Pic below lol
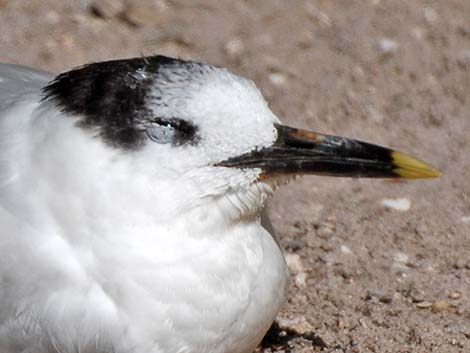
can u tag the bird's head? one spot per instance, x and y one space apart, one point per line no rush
205 130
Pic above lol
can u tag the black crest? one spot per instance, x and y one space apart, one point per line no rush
111 97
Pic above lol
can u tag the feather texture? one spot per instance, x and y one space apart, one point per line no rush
149 251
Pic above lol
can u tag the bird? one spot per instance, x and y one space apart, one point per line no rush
133 200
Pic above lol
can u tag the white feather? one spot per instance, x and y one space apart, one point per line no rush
154 251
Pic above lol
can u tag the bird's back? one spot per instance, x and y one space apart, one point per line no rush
17 81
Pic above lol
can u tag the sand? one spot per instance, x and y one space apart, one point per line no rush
377 266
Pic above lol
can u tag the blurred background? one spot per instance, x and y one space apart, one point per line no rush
377 266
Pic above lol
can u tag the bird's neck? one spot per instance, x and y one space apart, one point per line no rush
106 203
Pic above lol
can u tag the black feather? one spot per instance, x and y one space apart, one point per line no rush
111 98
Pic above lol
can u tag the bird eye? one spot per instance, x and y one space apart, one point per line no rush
161 131
172 130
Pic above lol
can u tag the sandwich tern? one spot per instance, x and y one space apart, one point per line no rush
132 206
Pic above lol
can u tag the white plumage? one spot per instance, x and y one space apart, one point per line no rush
134 251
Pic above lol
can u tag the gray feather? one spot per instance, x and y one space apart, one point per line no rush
18 80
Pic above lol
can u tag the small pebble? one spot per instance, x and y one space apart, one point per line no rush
467 265
464 62
387 46
371 295
277 79
234 47
459 263
345 250
465 219
440 305
418 33
401 258
107 9
455 295
344 272
423 305
335 298
326 229
298 323
296 244
422 229
417 296
305 39
294 263
142 13
386 300
402 204
301 280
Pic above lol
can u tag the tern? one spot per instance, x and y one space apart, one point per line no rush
132 206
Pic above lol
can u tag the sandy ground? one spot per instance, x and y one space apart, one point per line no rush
365 277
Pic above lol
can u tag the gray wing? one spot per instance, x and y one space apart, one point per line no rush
16 81
266 223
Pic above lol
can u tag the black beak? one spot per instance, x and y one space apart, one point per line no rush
303 152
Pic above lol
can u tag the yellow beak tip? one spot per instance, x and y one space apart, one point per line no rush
412 168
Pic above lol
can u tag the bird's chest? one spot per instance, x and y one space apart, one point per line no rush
168 291
199 294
